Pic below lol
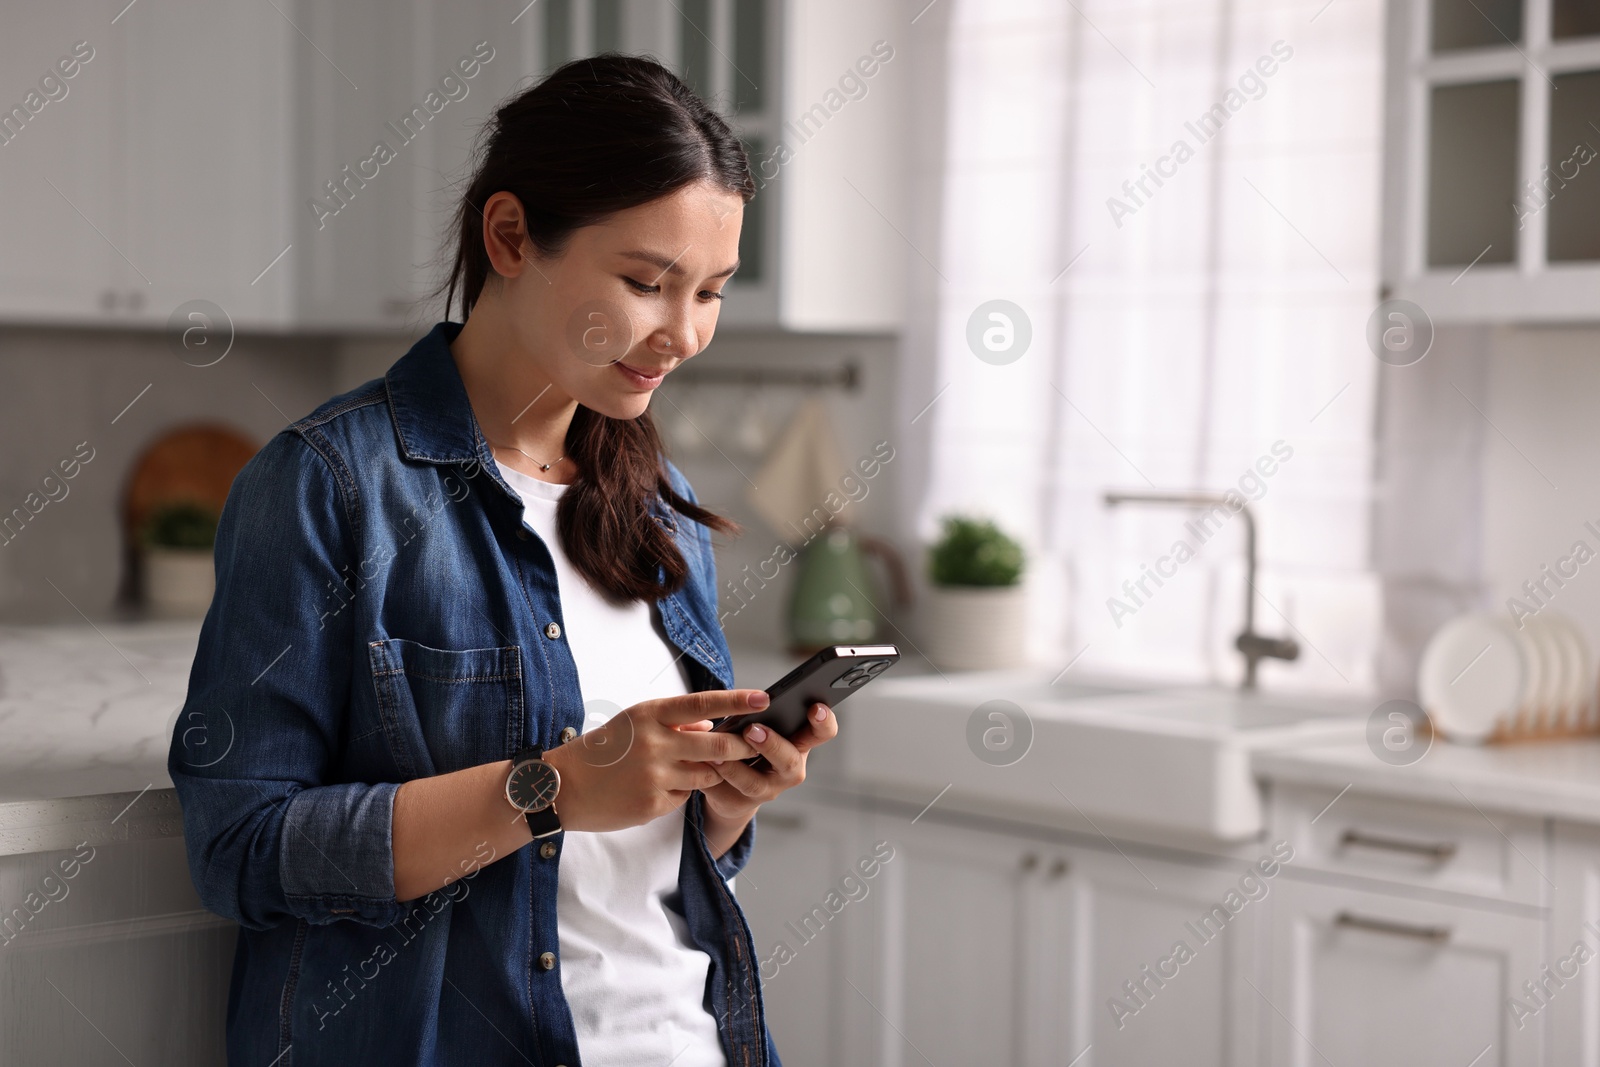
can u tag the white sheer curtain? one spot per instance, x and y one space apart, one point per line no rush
1179 334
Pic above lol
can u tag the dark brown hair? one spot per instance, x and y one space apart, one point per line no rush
598 136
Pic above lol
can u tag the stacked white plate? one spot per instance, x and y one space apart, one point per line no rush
1484 677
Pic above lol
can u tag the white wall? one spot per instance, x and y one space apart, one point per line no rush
1542 464
1487 471
62 387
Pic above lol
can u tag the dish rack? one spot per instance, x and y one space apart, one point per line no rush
1486 678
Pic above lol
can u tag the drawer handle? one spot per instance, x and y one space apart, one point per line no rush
1436 935
1438 852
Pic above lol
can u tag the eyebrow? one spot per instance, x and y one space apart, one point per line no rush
668 265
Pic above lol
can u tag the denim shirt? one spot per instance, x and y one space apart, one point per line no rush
382 613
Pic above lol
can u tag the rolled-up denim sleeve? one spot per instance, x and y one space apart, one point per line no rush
733 861
271 834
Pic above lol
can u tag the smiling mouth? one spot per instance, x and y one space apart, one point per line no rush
660 372
639 377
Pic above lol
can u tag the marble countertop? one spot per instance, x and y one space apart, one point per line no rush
1548 779
88 709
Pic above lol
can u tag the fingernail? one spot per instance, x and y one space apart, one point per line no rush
716 763
758 733
819 713
758 699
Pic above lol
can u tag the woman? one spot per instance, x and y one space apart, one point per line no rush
446 754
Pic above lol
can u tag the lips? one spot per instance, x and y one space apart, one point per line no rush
642 379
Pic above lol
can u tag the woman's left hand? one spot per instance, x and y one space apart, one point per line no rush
744 789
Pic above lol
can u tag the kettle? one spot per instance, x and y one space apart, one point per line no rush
833 600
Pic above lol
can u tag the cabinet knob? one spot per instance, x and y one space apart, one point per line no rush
1030 861
1059 868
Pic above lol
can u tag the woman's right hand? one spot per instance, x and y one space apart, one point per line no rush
643 764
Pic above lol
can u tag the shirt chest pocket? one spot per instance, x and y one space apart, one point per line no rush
445 709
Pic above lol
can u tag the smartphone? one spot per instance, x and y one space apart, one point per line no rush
826 678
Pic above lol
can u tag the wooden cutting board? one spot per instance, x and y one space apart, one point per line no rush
196 462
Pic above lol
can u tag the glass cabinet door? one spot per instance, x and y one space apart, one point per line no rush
720 48
1472 173
1568 191
1575 18
1459 24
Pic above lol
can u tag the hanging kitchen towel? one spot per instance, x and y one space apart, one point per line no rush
800 478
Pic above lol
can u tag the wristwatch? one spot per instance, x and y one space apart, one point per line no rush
531 787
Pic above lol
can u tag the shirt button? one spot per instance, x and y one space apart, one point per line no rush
547 960
548 850
522 533
568 734
552 630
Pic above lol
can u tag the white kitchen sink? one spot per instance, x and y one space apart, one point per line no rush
1174 760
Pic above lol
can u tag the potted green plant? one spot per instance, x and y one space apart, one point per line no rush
177 539
976 613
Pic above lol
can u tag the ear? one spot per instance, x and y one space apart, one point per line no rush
505 235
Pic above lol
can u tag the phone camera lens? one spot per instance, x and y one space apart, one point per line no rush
851 678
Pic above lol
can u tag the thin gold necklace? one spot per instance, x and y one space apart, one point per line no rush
542 466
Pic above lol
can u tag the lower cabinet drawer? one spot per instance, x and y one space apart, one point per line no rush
1458 849
1367 978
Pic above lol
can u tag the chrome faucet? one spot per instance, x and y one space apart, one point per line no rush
1255 647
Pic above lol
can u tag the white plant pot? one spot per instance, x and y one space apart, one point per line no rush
178 582
975 627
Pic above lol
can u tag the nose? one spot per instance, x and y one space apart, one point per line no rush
676 337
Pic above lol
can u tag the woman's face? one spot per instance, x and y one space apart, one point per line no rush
627 301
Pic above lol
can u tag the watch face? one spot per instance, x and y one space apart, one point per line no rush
532 785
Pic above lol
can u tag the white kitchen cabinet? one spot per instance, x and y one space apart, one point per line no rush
159 177
224 151
803 853
441 165
1492 206
1126 913
1449 848
829 168
959 976
1565 999
204 120
59 217
106 955
1384 980
819 248
353 263
998 946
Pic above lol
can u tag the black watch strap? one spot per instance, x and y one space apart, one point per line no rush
544 823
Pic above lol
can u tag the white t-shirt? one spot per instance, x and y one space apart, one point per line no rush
633 980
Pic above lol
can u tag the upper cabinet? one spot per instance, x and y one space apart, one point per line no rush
128 188
1493 177
812 89
298 164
